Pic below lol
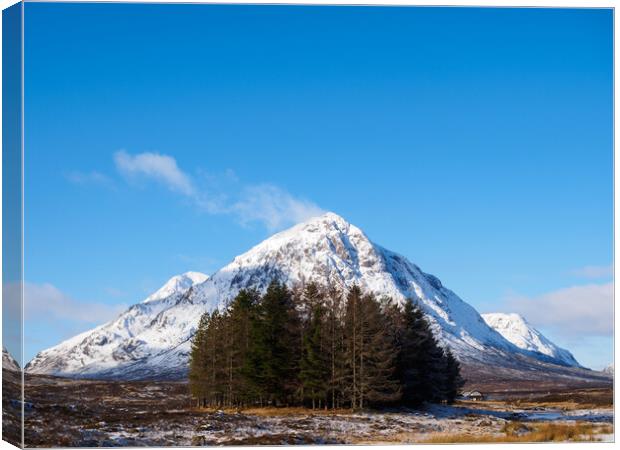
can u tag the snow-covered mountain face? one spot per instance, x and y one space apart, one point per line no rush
517 330
8 362
152 339
177 285
145 330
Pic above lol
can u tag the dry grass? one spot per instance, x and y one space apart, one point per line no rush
566 401
520 432
582 398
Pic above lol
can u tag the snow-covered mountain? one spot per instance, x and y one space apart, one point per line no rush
518 331
8 362
609 369
177 285
147 329
152 339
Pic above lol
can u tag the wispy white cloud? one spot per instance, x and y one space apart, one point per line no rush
585 310
273 206
92 177
593 272
161 168
267 204
47 301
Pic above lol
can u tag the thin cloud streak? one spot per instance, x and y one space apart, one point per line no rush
161 168
273 206
584 310
45 301
92 177
266 203
593 272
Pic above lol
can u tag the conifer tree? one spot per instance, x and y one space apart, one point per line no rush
272 366
216 360
335 347
314 367
352 337
454 381
306 300
417 365
377 353
311 296
436 376
370 352
198 362
331 351
240 315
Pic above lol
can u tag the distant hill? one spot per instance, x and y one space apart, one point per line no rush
519 331
8 362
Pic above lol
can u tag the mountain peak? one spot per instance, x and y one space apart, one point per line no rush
318 227
506 319
325 221
328 241
331 216
176 285
196 277
8 362
515 329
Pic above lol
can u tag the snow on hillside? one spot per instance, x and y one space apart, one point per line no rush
8 362
609 369
140 332
152 339
177 284
518 331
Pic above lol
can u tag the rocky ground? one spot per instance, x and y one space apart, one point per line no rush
63 412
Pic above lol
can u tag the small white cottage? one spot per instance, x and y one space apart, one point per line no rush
472 395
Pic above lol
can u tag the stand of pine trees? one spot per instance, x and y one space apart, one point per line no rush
321 349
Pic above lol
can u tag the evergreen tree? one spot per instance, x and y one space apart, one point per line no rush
352 337
427 373
216 360
198 362
307 300
271 366
331 351
370 353
314 367
311 296
241 313
377 354
335 347
435 367
416 366
454 381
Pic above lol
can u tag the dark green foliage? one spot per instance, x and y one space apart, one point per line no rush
426 372
317 348
314 366
335 348
273 359
241 313
454 381
198 362
370 352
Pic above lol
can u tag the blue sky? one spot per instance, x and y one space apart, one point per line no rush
476 142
